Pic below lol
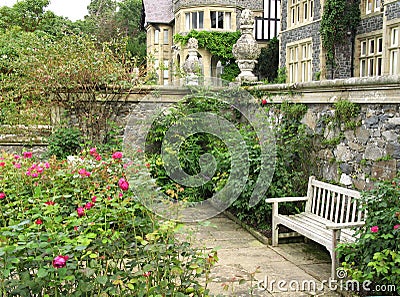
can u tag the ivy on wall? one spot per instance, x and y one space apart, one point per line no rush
219 44
338 18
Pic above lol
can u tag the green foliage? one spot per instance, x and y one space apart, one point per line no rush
293 162
79 209
281 77
375 255
231 71
293 157
219 44
345 112
268 61
64 142
339 17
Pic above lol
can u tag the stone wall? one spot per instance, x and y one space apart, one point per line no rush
311 30
392 10
352 155
370 24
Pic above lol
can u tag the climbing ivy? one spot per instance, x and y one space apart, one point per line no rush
219 44
339 17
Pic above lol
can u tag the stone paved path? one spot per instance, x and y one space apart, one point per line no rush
246 265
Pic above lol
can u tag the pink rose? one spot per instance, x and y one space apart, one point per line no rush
123 184
60 261
34 175
83 172
92 151
2 195
17 165
98 158
374 229
16 157
38 222
47 165
2 164
27 155
396 227
117 155
80 211
39 169
94 198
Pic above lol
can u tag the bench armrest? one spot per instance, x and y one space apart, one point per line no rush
338 226
286 199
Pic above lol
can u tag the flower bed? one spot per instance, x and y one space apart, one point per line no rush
74 228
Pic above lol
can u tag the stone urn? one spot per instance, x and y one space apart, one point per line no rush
192 66
246 50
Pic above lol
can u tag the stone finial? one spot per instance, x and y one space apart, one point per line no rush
192 64
193 43
247 18
246 50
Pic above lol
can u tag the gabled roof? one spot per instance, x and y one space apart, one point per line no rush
158 11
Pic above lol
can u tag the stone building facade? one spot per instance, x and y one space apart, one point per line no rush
373 51
164 18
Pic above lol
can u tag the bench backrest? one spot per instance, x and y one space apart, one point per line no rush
333 203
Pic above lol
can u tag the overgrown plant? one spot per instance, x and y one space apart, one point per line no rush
338 18
375 256
293 156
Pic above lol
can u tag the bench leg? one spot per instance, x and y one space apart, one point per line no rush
275 228
334 256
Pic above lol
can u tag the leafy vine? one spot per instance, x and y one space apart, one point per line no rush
219 44
339 17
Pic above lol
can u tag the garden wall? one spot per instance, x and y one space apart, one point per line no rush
353 152
360 149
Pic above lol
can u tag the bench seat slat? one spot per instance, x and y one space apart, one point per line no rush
310 226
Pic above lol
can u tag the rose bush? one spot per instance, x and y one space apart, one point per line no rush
74 228
375 256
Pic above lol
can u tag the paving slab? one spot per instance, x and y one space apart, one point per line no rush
247 267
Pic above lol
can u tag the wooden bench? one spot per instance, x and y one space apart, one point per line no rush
330 214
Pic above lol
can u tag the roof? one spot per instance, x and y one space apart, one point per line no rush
158 11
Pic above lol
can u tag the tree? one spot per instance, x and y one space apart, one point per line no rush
28 14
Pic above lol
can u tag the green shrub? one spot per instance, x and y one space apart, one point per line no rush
64 141
375 256
291 166
268 61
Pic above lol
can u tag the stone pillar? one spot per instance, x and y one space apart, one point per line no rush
192 65
246 50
